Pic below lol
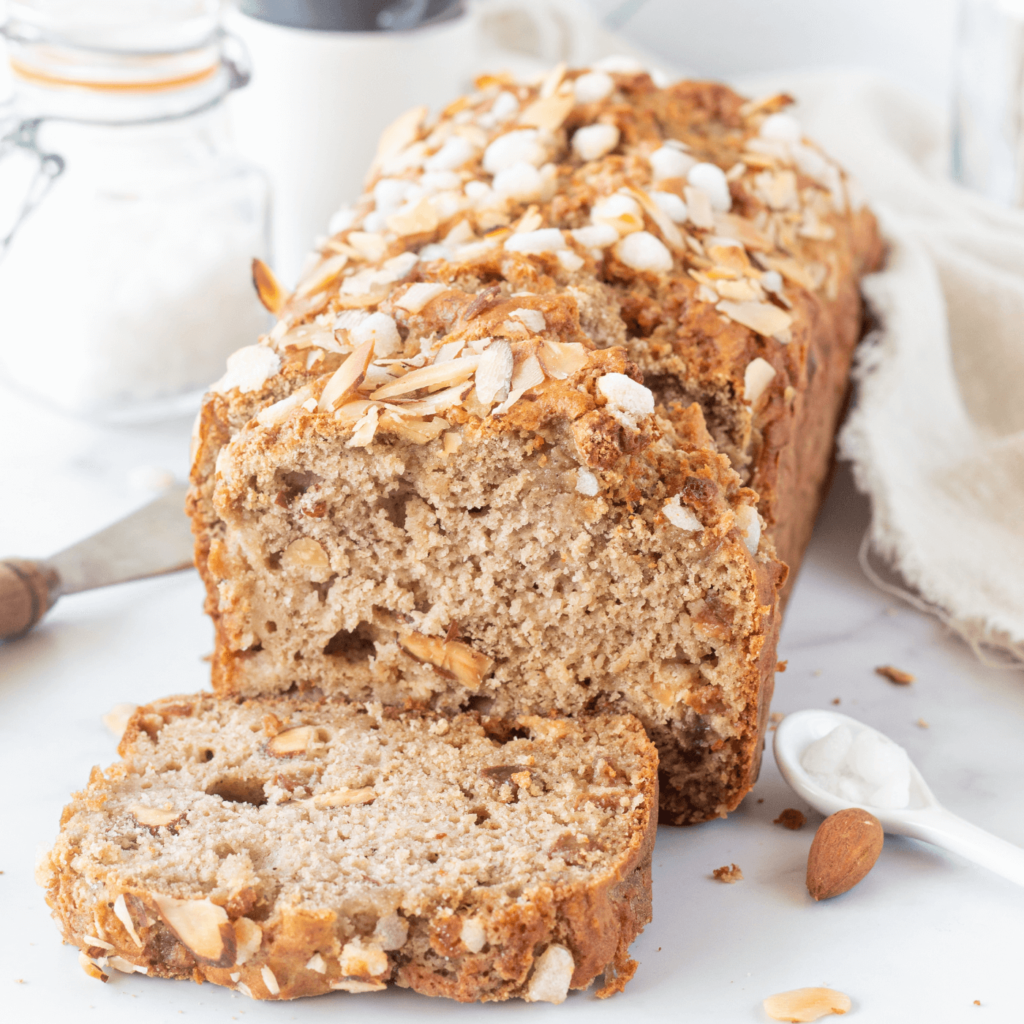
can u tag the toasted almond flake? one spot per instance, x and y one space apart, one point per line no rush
494 374
533 318
756 378
153 817
354 985
528 373
452 442
561 359
125 966
346 378
322 275
416 296
362 960
452 372
360 301
806 1004
90 968
553 79
93 941
620 211
530 221
679 517
280 411
316 963
365 428
117 718
352 411
244 989
699 208
345 797
309 405
290 742
414 429
202 926
548 113
762 317
733 226
121 913
469 667
404 130
235 976
414 219
662 221
270 980
705 293
371 245
248 939
437 402
270 292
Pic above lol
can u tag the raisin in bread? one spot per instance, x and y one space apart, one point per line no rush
288 848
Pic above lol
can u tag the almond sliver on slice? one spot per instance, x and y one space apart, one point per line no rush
561 359
269 290
347 377
762 317
452 372
672 235
437 402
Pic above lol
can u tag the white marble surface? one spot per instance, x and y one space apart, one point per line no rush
920 939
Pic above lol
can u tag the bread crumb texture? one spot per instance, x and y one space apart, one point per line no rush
287 848
540 417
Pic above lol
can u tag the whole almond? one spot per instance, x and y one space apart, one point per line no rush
844 850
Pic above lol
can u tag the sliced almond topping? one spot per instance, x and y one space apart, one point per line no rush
548 113
669 232
416 296
345 797
416 430
561 359
698 206
270 292
291 742
402 131
277 413
762 317
363 960
527 374
346 378
270 980
361 301
437 402
452 372
494 373
733 226
806 1004
316 963
153 817
365 428
202 926
553 79
414 220
371 245
90 968
353 411
122 914
248 939
322 275
92 940
126 966
756 378
458 659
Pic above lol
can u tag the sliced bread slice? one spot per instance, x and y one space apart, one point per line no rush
288 848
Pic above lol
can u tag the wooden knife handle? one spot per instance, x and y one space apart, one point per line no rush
27 593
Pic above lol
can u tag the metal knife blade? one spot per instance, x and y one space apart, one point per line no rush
154 540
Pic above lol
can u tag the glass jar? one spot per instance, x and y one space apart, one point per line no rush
126 280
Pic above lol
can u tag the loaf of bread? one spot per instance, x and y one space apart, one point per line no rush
287 848
439 482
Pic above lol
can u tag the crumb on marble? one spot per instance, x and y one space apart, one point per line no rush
728 873
895 675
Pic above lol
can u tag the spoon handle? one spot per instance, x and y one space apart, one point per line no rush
945 829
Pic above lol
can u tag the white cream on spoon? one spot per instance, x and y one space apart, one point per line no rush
834 762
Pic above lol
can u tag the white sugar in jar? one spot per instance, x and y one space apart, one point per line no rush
126 286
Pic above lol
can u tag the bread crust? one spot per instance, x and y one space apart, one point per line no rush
595 920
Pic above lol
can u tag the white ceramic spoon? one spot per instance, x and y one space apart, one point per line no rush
924 818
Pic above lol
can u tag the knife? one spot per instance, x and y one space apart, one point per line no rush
150 542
